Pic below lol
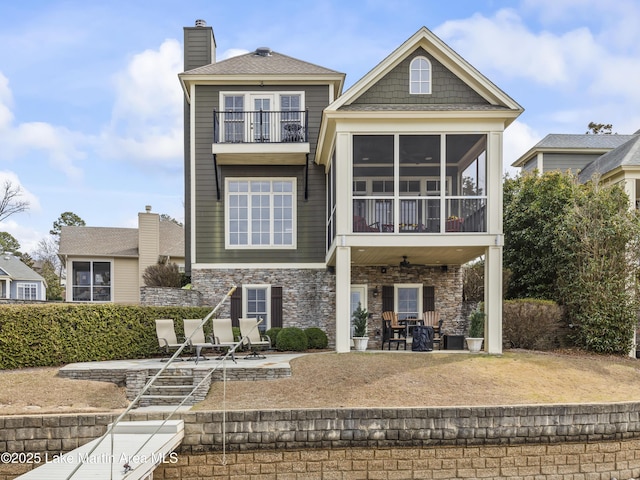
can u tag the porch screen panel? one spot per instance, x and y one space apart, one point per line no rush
373 183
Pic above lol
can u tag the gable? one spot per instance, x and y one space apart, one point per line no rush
393 87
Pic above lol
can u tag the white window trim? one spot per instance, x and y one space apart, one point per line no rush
21 286
418 286
411 92
245 299
294 214
249 94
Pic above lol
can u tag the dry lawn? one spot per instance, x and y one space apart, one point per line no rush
424 380
389 379
39 390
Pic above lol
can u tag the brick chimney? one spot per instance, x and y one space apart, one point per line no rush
199 46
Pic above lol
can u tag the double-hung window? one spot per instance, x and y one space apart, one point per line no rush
256 304
260 213
233 118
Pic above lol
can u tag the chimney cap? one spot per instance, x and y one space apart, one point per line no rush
147 208
201 23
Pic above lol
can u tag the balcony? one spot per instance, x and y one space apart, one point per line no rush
261 137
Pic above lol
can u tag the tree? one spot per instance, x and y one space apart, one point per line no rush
534 208
598 279
8 243
54 288
66 219
10 202
168 218
599 128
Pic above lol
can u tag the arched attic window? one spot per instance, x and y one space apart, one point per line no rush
420 76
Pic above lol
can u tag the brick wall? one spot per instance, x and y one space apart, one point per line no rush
553 441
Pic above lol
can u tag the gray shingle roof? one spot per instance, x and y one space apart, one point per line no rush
560 140
118 242
627 154
372 107
252 64
17 270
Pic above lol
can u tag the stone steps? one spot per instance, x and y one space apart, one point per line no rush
171 388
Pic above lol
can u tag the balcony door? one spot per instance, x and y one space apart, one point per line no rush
262 121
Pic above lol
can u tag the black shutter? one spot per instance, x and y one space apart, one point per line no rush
428 299
276 307
236 306
387 299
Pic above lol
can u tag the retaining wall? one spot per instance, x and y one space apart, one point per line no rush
592 441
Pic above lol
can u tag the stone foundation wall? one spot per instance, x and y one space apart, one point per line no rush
554 442
308 294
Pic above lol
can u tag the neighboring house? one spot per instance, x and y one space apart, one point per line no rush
615 159
568 152
311 200
18 281
107 264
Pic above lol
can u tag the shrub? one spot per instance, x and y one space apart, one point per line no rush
476 324
291 339
532 324
55 334
272 333
316 338
360 319
163 275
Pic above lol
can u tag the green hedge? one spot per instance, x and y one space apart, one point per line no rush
292 339
56 334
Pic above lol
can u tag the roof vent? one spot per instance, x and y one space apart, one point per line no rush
201 23
263 51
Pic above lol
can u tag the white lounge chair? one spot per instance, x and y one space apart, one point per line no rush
251 335
223 334
195 333
167 339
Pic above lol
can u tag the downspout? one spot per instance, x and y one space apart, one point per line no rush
306 179
215 169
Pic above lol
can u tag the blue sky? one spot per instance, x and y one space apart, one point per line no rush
91 106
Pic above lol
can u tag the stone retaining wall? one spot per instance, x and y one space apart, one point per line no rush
170 297
604 437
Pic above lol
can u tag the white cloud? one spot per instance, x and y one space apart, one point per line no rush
232 52
146 121
58 143
518 139
503 43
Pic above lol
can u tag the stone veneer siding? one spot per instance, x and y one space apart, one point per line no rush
448 293
546 442
170 297
308 294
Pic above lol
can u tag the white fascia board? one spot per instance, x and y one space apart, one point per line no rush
253 266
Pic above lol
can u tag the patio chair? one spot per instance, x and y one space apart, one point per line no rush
251 335
432 319
167 339
393 331
194 332
223 334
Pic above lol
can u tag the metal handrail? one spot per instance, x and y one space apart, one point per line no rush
261 126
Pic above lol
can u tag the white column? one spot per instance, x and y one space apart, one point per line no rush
343 304
493 298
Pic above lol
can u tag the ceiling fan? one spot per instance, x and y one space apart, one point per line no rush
404 262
